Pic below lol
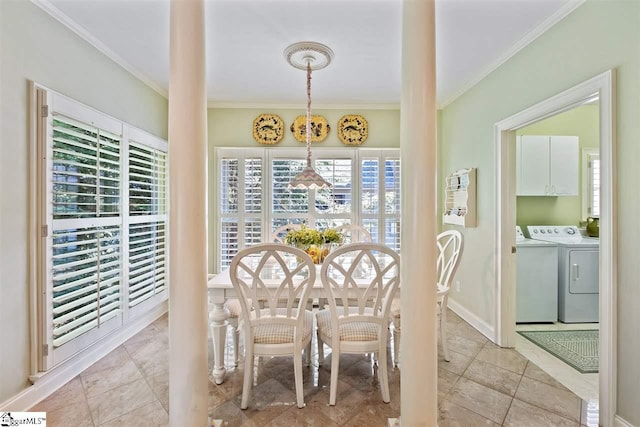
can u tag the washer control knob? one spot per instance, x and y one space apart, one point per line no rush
542 230
571 231
535 231
556 231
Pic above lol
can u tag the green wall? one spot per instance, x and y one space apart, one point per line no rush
597 36
37 47
232 127
563 210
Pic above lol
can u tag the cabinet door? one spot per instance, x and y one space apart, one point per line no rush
533 179
563 165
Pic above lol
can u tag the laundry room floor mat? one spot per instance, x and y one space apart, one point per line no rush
578 349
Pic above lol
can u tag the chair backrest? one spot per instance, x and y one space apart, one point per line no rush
360 280
450 246
353 233
279 233
272 282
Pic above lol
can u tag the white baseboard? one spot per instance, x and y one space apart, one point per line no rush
48 382
621 422
483 327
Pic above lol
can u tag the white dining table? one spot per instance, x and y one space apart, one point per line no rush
220 289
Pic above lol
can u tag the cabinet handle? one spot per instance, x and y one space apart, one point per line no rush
546 189
553 189
576 272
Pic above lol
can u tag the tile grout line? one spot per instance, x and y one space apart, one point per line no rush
86 400
514 393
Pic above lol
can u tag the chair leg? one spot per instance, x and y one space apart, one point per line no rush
335 366
297 370
307 354
320 350
442 320
383 376
248 376
236 346
396 340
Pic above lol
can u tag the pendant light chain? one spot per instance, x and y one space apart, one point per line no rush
301 55
308 124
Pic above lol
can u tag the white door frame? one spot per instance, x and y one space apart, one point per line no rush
505 217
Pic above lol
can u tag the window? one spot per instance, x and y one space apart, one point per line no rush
254 200
591 183
102 258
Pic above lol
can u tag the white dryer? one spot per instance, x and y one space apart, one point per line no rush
578 271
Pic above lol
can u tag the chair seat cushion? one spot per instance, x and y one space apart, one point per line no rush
234 307
395 308
281 334
355 331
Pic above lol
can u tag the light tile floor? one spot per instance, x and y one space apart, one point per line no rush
583 385
482 385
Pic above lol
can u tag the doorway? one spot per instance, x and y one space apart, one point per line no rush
603 86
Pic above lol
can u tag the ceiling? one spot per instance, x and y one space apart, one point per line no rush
246 38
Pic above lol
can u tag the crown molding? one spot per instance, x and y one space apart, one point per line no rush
528 38
300 106
89 38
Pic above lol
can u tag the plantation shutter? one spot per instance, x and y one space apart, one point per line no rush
241 201
392 203
365 190
147 261
148 226
86 170
103 200
370 195
332 207
86 280
84 249
594 186
285 200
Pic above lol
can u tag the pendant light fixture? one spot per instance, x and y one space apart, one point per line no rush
308 56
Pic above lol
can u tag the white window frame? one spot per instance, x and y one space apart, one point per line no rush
588 155
356 155
45 103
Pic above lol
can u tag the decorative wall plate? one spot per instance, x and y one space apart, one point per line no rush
268 129
353 129
319 128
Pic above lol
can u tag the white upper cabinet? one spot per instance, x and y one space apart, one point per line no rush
546 165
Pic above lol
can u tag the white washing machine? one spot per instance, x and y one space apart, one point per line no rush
578 271
536 280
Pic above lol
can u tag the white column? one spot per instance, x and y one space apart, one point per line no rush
188 388
418 346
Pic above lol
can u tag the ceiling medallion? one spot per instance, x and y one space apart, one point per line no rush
319 129
268 129
353 129
309 56
302 53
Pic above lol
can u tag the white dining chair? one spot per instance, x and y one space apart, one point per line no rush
233 305
367 275
279 233
354 233
450 246
274 321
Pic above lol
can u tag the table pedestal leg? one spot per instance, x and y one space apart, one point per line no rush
218 321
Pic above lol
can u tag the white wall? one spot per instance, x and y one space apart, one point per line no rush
597 36
34 46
